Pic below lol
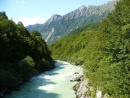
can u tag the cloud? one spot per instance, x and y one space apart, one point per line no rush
20 1
30 21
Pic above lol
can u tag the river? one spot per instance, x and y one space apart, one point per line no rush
51 84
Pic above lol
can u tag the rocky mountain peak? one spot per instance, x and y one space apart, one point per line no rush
54 17
82 7
76 13
58 26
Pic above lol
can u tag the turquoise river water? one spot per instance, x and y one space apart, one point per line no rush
50 84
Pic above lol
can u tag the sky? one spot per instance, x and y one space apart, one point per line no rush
39 11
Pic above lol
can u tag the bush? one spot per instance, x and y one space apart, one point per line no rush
26 67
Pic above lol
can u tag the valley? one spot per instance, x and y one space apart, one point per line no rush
90 44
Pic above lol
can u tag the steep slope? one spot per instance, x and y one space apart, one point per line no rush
104 53
69 48
58 26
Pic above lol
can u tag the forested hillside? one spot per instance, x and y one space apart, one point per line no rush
22 54
105 53
69 47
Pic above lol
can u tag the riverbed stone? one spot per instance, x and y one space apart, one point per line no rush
76 77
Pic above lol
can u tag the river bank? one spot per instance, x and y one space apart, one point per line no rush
84 90
81 89
50 84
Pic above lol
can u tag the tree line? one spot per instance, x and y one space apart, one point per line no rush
22 54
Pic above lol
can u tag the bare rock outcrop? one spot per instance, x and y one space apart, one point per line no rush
84 90
81 89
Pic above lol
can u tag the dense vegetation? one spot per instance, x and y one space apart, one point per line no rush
105 53
69 47
22 54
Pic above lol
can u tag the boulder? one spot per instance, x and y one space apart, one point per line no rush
76 77
81 89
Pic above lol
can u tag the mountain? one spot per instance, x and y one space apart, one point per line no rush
58 26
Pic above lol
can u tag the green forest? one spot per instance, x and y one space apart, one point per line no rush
22 54
103 49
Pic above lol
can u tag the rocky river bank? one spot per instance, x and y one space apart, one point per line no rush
81 88
84 90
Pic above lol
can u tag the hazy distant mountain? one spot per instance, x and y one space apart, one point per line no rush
58 26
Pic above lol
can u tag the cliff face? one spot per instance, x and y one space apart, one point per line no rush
63 25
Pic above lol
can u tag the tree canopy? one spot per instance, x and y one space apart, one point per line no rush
21 53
